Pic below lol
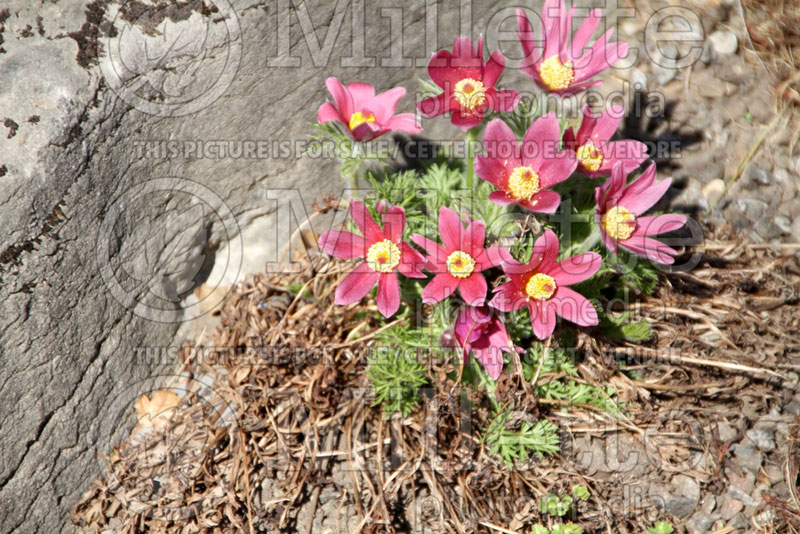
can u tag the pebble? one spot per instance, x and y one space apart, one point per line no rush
759 175
783 223
752 208
796 228
730 507
767 230
714 190
747 457
763 439
638 80
744 482
723 43
683 497
726 432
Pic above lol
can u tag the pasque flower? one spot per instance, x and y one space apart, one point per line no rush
385 253
560 66
479 330
619 210
595 151
542 286
468 84
458 263
364 114
523 174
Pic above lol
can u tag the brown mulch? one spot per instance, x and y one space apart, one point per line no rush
276 432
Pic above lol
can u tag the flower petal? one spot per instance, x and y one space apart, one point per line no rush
384 104
369 228
556 168
574 307
450 229
355 285
546 201
506 298
640 202
501 143
436 252
388 298
404 122
543 318
584 33
473 238
651 249
327 112
412 262
439 288
503 101
466 121
545 252
473 289
435 105
340 244
493 68
501 198
341 96
659 224
541 140
394 222
362 93
576 269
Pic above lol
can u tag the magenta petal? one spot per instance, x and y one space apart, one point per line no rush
543 318
492 170
450 229
541 140
631 153
439 288
557 168
466 121
355 285
543 202
491 358
526 36
473 238
412 262
328 112
501 143
388 298
473 289
606 124
651 249
383 105
394 222
640 202
434 249
404 122
504 100
369 228
493 68
576 269
608 241
659 224
574 307
545 252
362 93
340 244
506 298
585 32
342 97
435 105
493 257
501 198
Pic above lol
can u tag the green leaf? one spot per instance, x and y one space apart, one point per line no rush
581 492
661 527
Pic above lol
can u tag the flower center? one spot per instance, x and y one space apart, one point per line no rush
589 156
619 223
470 93
460 264
556 75
383 256
523 183
540 286
358 118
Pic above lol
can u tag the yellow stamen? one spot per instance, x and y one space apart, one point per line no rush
619 223
556 75
383 256
540 286
523 183
589 156
470 93
460 264
358 118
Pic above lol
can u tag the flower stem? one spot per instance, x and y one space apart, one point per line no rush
589 242
471 136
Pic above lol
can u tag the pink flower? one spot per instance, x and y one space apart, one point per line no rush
542 286
459 263
364 114
385 254
560 67
596 154
482 332
468 83
524 174
618 214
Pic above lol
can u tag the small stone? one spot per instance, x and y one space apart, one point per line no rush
759 176
766 229
699 523
747 457
763 439
730 507
683 497
740 495
723 43
665 64
796 228
744 482
638 80
782 176
752 208
714 190
774 473
726 432
783 223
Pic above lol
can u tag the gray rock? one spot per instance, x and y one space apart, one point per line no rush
766 229
723 43
683 496
796 228
726 432
752 208
783 223
763 439
759 176
747 457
